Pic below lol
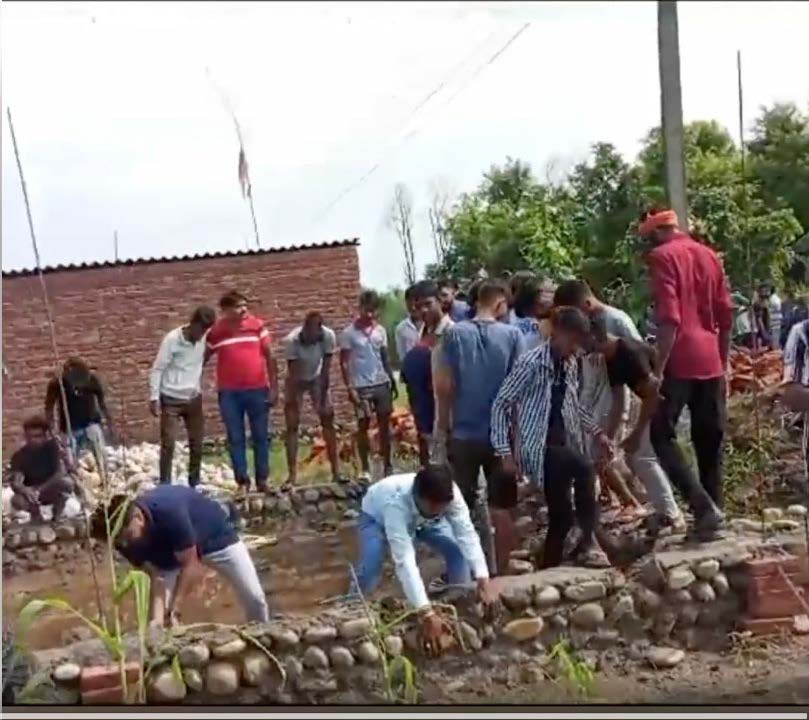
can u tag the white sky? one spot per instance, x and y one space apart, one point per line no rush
119 127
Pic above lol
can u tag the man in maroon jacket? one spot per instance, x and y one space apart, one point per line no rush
694 316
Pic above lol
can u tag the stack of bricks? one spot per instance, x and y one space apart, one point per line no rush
775 595
101 684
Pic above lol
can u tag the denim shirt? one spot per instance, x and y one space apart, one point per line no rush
390 502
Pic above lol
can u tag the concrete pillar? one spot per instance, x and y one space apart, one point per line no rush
671 107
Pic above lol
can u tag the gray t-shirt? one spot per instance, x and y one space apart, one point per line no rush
366 345
309 357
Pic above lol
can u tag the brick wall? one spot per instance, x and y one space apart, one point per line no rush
115 317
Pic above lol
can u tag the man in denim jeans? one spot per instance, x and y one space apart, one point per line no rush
247 384
425 506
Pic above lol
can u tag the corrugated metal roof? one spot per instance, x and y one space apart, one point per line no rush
177 258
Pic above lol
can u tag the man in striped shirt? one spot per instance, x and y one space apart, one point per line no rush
247 384
541 392
796 379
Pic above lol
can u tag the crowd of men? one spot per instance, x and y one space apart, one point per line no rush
526 383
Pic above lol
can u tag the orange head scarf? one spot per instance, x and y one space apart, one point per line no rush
664 218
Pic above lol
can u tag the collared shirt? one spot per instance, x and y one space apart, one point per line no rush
406 335
526 397
309 356
796 370
366 345
178 518
239 349
690 292
177 369
391 503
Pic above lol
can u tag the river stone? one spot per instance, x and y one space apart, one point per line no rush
311 495
772 514
30 537
470 636
327 507
548 597
165 687
283 637
255 666
647 600
679 577
67 673
786 525
703 592
47 535
221 678
293 668
351 514
12 540
367 652
796 511
319 634
588 616
558 621
516 599
523 629
193 679
339 492
688 614
664 657
800 625
194 656
285 505
230 649
356 628
394 645
707 569
720 584
341 658
678 597
66 532
585 591
315 658
652 576
664 624
624 605
520 567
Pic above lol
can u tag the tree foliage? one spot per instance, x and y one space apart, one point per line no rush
586 225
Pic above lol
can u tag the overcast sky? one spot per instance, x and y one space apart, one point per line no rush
120 128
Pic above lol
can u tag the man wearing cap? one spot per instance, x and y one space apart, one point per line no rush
694 315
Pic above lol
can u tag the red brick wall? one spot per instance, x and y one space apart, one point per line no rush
115 317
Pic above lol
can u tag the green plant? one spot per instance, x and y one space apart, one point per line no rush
577 673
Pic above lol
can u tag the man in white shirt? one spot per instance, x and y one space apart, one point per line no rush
175 391
309 349
425 506
409 330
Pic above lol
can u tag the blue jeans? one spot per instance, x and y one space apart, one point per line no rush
373 543
233 406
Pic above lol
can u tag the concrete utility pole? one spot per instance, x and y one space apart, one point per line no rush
671 107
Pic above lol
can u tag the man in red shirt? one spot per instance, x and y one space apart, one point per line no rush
247 384
694 316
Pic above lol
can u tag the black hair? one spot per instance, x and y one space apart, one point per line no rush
36 422
598 327
572 293
491 290
118 504
231 299
570 319
370 299
446 282
434 483
424 289
408 294
526 296
313 315
204 316
520 278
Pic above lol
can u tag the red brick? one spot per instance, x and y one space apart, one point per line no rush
769 566
105 696
97 677
769 626
773 604
115 317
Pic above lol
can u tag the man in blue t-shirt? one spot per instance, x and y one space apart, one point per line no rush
171 532
478 354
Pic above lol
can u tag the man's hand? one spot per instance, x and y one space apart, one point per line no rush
154 407
394 389
631 444
272 396
605 446
433 627
508 465
489 597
